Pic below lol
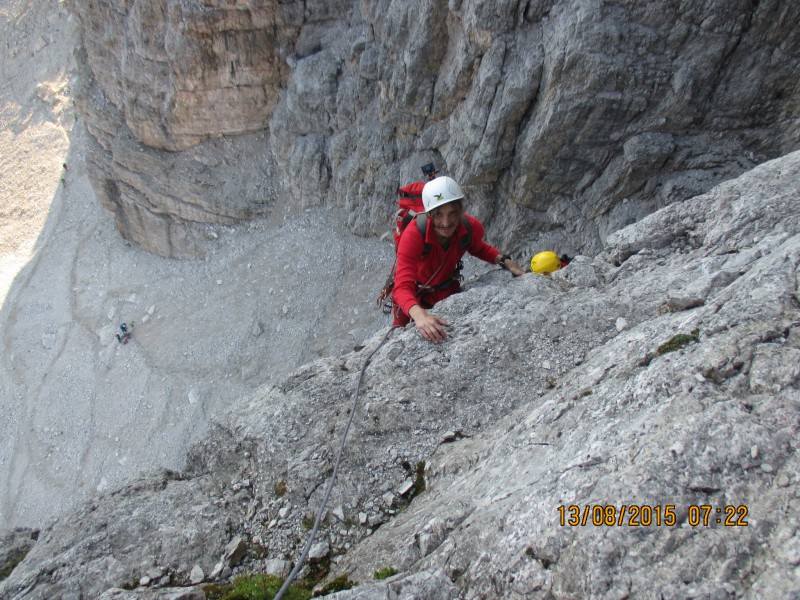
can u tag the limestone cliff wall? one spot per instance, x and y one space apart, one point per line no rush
564 119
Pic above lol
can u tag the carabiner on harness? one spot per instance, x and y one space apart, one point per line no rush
456 277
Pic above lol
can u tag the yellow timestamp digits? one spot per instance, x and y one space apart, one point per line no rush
729 516
646 515
632 515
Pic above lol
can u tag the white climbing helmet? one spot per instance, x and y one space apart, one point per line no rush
440 191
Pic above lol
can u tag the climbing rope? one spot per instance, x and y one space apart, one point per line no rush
312 535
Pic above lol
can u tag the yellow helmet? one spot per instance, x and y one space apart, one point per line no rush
545 263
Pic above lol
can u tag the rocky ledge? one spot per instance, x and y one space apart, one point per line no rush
655 388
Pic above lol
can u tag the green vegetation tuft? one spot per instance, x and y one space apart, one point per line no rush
317 571
11 565
384 573
342 582
258 551
419 481
255 587
679 341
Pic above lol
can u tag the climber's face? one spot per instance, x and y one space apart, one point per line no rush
445 220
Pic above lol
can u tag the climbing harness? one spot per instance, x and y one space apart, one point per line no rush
312 535
384 300
455 277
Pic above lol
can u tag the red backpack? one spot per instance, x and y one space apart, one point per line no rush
410 205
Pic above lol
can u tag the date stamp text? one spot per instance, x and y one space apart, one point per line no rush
647 515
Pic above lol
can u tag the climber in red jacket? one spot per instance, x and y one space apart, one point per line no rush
429 266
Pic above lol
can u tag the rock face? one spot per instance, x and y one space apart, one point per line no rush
564 119
662 373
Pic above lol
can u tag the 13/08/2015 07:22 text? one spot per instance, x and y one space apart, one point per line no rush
646 515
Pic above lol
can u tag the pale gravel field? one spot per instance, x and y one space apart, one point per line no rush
36 117
79 412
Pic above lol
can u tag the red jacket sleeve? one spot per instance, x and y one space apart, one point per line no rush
405 279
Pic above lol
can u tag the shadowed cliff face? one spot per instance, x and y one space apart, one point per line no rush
564 120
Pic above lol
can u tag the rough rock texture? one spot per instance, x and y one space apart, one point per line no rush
712 424
432 584
564 119
664 373
157 594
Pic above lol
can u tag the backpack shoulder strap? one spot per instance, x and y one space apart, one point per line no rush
467 239
422 227
405 219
